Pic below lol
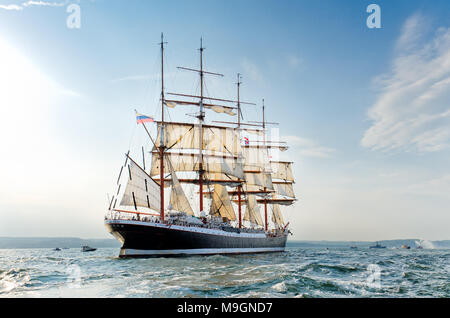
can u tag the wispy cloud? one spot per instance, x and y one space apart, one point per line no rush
389 174
294 61
31 3
11 7
251 70
44 3
307 147
412 109
437 186
147 77
133 78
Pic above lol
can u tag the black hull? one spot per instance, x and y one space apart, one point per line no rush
144 239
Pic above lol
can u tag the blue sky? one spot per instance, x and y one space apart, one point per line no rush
365 110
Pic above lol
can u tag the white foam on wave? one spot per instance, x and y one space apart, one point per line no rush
425 244
280 287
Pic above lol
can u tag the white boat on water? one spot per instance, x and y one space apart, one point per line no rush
88 249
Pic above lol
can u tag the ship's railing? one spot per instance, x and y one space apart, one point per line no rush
122 215
180 222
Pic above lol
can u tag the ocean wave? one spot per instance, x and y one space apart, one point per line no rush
296 273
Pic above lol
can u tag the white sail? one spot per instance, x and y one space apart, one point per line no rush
221 204
258 132
284 189
178 200
252 213
255 179
267 177
186 136
277 217
259 179
256 159
189 162
228 167
257 190
282 170
141 189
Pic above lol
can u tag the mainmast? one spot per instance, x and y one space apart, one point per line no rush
161 148
200 124
264 134
201 115
239 125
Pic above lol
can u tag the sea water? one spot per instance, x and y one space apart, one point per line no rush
298 272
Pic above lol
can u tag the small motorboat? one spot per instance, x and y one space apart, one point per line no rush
377 245
353 247
406 247
88 249
57 249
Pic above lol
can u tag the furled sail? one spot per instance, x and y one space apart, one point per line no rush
252 213
141 189
217 108
221 204
178 200
170 104
221 109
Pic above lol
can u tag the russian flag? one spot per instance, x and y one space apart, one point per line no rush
143 118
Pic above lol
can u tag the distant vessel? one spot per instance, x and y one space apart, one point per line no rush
406 247
88 249
213 162
424 244
57 249
353 247
377 245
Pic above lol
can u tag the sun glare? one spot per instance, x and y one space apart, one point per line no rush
26 98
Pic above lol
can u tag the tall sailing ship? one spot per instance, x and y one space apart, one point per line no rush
228 167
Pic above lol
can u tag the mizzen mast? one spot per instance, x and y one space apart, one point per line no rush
239 125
